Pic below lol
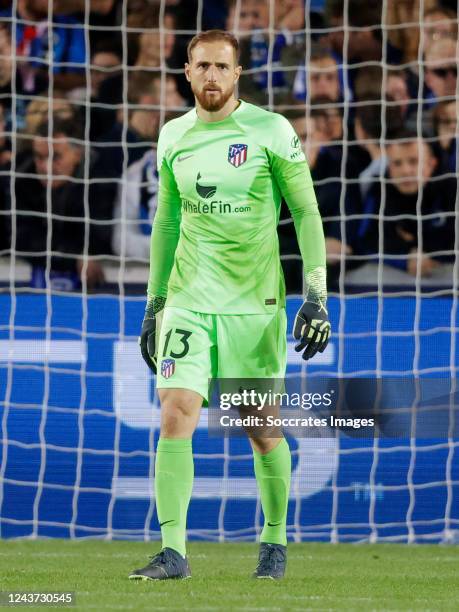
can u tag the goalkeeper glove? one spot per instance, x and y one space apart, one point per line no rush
311 328
149 336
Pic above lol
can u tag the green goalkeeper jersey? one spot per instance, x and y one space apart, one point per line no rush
214 245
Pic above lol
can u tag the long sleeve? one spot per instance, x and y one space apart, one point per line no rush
295 183
165 233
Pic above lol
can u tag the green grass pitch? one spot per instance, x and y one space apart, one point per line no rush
319 576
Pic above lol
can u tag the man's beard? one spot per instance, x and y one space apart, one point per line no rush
214 103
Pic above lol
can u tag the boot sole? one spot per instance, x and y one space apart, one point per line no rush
147 578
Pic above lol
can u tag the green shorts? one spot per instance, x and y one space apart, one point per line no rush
195 347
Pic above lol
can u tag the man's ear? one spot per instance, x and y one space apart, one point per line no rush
428 79
237 72
78 153
187 72
359 133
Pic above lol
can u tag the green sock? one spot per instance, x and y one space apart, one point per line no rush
174 471
273 471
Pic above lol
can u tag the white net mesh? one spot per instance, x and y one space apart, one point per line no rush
371 90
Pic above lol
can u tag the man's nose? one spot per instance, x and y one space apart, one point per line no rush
410 170
212 73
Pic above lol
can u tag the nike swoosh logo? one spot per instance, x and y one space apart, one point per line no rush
165 522
181 158
273 524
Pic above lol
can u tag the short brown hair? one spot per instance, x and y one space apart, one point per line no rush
447 12
405 136
370 118
319 51
211 36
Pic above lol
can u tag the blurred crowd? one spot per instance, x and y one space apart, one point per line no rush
370 88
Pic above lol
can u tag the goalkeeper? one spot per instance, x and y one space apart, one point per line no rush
216 292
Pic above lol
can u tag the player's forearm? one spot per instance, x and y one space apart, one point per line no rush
164 240
294 180
165 234
311 240
312 246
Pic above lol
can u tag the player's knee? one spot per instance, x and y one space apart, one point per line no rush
178 413
171 424
173 421
264 445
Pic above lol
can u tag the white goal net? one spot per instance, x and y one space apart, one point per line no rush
371 90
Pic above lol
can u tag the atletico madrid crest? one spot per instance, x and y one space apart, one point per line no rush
237 154
167 367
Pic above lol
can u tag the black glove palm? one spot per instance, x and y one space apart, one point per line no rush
312 329
149 335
